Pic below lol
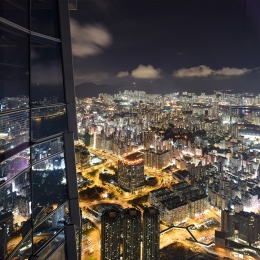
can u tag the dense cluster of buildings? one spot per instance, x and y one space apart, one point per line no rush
179 202
157 153
238 228
210 143
123 232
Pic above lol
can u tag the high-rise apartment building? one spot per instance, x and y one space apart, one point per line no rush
157 159
39 210
148 139
151 234
110 234
125 226
242 226
131 234
131 172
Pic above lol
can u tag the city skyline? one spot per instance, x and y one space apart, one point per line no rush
167 46
161 158
195 158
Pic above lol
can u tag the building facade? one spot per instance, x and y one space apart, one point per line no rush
132 234
175 212
197 205
148 139
121 233
151 234
39 210
131 172
242 227
157 159
110 234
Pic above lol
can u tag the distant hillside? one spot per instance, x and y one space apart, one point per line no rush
88 89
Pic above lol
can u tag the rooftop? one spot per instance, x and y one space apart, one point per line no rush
133 159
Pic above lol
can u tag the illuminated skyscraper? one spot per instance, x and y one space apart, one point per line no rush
110 234
131 234
151 234
39 210
131 172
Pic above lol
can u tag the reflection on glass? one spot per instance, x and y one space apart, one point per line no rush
14 130
73 4
12 42
47 121
60 254
14 87
50 227
46 73
25 249
49 187
14 165
15 213
78 239
14 67
45 17
46 149
15 11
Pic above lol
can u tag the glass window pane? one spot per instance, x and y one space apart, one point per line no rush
46 74
78 242
16 11
14 68
73 4
49 187
47 149
49 228
45 17
15 213
25 249
14 87
14 130
14 165
48 121
60 254
12 42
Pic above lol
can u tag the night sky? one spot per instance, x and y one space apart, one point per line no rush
164 46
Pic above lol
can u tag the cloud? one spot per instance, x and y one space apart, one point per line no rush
146 72
95 77
231 71
89 39
200 71
122 74
205 71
